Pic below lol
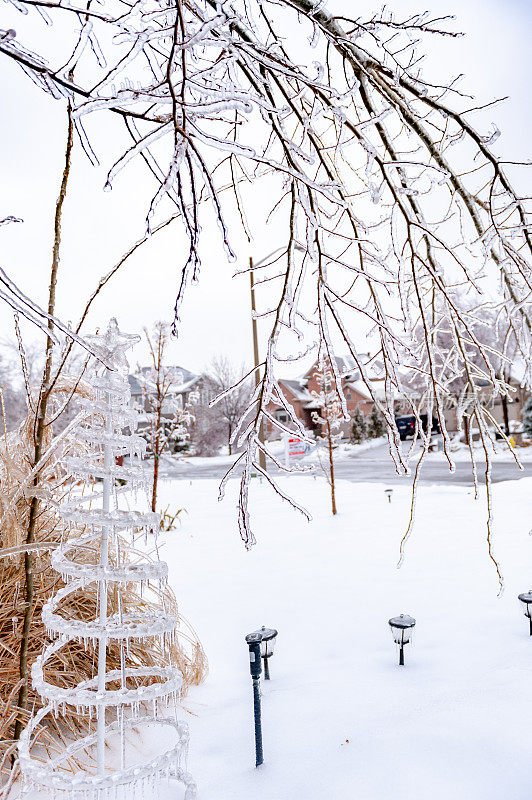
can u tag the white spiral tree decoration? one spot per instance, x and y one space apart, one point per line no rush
136 696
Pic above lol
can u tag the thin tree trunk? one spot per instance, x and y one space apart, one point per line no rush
156 461
39 430
331 468
466 424
505 415
155 481
229 432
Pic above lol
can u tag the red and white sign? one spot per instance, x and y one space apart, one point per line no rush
296 446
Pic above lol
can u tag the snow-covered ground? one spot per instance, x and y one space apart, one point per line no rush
341 719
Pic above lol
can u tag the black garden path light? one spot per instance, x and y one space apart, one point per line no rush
254 641
526 600
388 493
401 628
261 644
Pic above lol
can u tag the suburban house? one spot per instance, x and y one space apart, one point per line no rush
187 388
188 391
507 412
303 396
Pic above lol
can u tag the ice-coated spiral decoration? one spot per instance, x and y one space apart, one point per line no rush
134 696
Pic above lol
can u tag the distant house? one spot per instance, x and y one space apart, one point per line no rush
298 397
188 391
301 395
503 410
187 388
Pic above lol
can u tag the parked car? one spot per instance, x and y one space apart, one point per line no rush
406 425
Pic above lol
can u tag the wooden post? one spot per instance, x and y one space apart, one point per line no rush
262 457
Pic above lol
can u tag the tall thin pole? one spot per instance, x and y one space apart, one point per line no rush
259 756
262 457
102 607
255 667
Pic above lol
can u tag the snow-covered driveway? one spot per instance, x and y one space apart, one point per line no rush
375 465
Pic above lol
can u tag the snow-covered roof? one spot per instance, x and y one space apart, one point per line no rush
351 379
179 374
360 387
298 388
186 386
183 379
346 365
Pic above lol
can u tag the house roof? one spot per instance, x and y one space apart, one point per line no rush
186 386
184 380
298 388
351 379
360 387
346 366
179 374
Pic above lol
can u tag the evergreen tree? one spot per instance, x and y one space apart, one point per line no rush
376 426
359 427
527 417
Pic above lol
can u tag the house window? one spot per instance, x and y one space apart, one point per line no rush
206 395
168 405
348 395
281 415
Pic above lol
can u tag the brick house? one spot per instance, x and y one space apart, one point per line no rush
299 397
300 394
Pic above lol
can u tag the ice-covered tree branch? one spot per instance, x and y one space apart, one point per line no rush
396 210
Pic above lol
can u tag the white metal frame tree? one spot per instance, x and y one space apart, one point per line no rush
135 695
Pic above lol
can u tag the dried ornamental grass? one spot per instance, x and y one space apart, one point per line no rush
74 662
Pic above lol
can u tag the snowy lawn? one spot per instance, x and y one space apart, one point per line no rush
341 719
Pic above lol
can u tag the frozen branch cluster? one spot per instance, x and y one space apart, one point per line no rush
136 695
396 210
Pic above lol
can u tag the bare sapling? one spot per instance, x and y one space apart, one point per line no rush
167 419
329 418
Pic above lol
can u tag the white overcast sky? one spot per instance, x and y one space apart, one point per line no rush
494 55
